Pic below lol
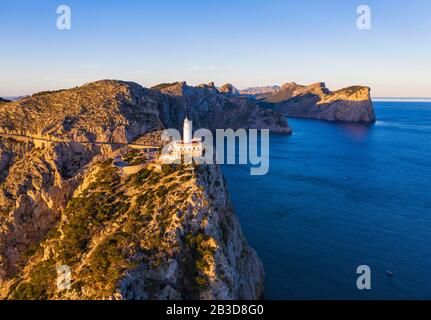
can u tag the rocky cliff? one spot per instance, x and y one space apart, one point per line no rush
352 104
229 90
157 234
209 108
130 110
163 233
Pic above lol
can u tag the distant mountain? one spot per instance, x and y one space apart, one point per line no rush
315 101
16 98
4 100
255 91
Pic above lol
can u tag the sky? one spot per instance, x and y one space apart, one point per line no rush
246 43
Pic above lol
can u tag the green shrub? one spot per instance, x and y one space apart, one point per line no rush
162 192
197 263
40 283
185 178
108 262
168 169
98 205
140 178
42 93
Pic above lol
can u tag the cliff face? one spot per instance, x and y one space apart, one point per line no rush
352 104
212 109
157 234
36 181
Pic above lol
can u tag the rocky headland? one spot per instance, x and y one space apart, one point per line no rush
352 104
165 232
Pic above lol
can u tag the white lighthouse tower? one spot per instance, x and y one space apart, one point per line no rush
188 148
187 131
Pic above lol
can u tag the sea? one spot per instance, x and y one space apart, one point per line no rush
339 196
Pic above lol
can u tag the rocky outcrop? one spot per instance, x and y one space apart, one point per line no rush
35 188
172 234
212 110
209 85
229 90
161 233
352 104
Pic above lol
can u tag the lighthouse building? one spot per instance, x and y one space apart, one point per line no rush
186 148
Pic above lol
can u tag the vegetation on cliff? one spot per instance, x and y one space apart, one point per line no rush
120 227
165 232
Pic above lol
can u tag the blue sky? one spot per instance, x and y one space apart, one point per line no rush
247 43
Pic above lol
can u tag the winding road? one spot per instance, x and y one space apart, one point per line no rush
39 141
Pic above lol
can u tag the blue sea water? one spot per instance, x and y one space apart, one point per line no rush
338 196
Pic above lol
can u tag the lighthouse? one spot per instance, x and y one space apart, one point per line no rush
186 149
187 131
